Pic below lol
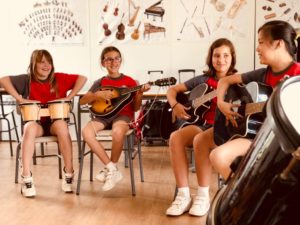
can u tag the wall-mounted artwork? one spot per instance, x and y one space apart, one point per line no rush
268 10
207 19
287 10
123 21
52 22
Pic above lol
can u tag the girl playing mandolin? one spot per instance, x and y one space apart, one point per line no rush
111 60
220 61
276 49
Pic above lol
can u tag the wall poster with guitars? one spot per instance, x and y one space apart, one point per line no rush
252 100
121 97
198 102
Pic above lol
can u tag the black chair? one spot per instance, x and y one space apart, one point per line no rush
5 115
130 153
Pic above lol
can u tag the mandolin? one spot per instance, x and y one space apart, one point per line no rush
121 97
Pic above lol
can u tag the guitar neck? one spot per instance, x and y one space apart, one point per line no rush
130 90
205 98
252 108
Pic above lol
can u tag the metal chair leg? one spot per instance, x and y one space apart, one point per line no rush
80 168
17 162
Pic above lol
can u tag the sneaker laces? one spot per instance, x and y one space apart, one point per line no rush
109 175
178 200
104 170
201 200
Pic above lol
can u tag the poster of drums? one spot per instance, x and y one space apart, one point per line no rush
52 22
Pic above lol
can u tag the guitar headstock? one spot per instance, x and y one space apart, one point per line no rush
164 81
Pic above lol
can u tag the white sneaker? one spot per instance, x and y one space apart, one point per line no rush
180 205
67 182
27 187
101 176
112 178
200 206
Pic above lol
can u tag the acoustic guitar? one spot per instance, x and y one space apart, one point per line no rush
121 97
198 102
252 99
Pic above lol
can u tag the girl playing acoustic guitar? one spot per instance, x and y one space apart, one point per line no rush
276 49
111 60
220 62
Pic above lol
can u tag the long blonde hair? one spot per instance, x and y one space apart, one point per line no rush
36 57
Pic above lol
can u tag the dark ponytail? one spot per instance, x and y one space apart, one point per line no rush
276 30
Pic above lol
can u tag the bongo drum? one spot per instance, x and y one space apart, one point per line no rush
265 188
30 111
59 109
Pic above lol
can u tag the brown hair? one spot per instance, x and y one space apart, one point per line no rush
109 49
36 57
216 44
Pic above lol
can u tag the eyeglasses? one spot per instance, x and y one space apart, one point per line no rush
110 60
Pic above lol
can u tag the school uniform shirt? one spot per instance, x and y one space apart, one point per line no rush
123 81
267 76
41 90
212 83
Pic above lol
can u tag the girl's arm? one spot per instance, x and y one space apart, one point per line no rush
77 86
6 83
178 109
225 107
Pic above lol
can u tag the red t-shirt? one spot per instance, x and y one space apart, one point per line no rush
209 116
41 90
272 78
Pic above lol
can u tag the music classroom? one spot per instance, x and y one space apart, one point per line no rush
124 112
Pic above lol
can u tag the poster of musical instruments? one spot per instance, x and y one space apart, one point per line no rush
287 10
208 19
123 21
51 22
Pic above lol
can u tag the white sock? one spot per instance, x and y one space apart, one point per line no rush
203 191
111 166
185 191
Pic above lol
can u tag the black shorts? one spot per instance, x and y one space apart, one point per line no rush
108 122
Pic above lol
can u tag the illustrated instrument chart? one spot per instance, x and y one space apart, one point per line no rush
131 21
51 22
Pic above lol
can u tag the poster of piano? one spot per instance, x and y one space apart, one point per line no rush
210 19
50 21
131 21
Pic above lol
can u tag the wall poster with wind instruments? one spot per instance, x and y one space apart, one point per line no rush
287 10
123 21
209 19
